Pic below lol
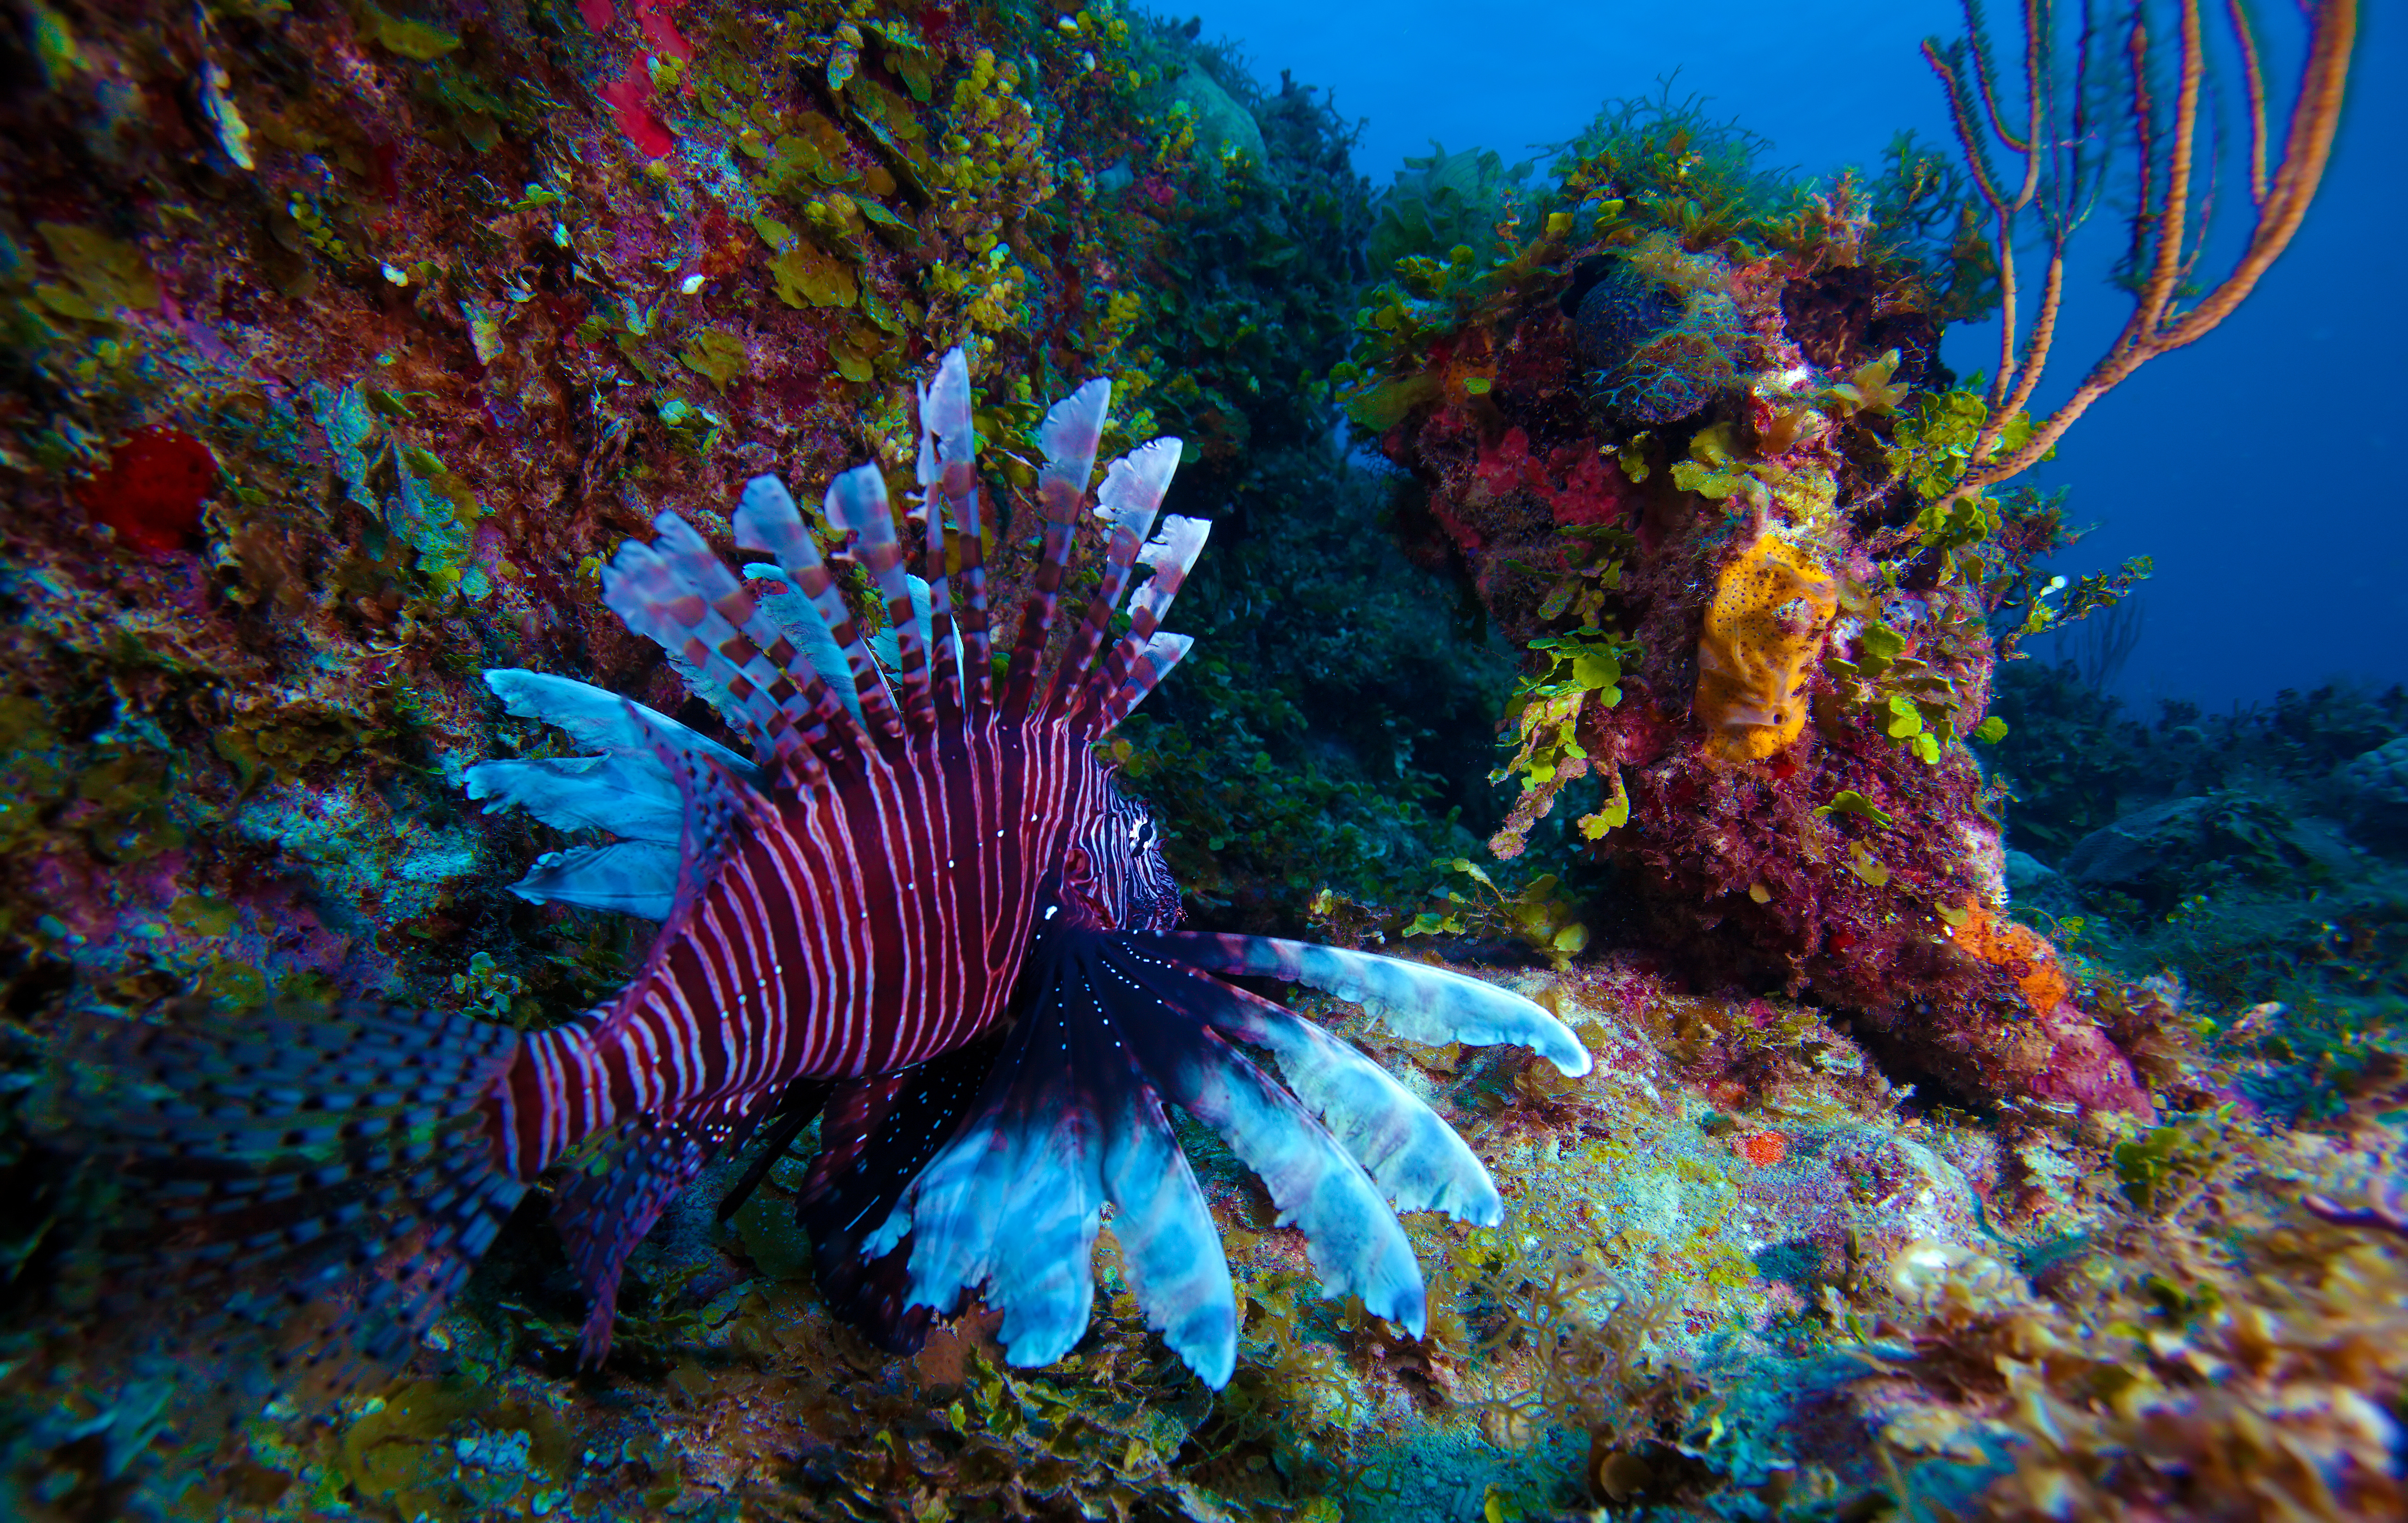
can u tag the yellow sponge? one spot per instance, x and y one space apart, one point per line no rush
1763 632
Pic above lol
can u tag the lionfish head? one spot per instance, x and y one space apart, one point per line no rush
1114 874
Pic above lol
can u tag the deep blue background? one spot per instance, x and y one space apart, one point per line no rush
2259 468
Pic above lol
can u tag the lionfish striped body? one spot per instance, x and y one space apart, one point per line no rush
920 910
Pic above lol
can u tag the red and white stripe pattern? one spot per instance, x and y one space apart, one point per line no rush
862 927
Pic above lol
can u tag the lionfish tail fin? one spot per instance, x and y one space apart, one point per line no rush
1131 495
1069 437
317 1190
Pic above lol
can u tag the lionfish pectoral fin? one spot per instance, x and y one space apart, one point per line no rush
1170 1245
1414 1156
1073 1116
880 1133
1067 1120
1418 1002
609 1200
1014 1201
1355 1244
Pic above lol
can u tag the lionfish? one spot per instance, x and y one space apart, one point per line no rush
921 910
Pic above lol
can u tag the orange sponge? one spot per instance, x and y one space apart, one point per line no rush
1763 632
2005 944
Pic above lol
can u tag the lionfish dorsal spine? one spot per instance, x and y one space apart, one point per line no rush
767 520
948 471
856 502
1131 495
677 593
1140 659
1147 668
1069 437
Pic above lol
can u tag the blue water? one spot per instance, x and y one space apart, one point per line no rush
2256 467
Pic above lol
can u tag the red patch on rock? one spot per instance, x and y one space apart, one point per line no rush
661 31
598 15
154 488
630 99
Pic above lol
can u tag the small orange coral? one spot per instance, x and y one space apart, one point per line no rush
1764 1149
1763 631
2004 944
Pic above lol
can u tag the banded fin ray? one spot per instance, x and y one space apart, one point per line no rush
1069 437
766 519
856 501
1415 1001
674 591
948 473
1131 495
791 611
1140 659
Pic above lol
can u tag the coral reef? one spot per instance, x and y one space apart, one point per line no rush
1998 1107
1764 539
